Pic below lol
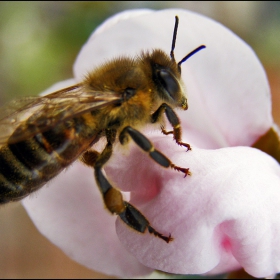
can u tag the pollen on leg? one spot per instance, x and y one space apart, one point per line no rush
89 157
114 201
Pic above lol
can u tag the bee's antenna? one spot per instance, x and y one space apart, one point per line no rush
191 54
174 37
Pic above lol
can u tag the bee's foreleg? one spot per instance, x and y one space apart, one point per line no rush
173 120
113 198
145 144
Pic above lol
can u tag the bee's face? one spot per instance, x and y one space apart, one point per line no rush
165 76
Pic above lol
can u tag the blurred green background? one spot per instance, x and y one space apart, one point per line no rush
39 42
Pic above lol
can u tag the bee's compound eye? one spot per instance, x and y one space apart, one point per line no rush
129 92
168 82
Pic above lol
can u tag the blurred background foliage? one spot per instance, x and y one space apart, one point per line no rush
39 42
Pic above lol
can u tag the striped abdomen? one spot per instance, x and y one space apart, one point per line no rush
27 165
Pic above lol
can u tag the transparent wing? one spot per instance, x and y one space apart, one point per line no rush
24 118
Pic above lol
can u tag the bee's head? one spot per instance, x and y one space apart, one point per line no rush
166 79
166 73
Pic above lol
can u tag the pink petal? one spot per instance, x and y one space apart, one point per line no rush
224 216
229 105
69 211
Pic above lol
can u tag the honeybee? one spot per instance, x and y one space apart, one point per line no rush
43 135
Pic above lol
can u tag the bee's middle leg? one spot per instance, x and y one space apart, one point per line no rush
145 144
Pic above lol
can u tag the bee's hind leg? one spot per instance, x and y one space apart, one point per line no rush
112 197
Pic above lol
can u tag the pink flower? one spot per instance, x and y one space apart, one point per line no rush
223 217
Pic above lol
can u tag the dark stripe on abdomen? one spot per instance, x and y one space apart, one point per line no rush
27 165
16 180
